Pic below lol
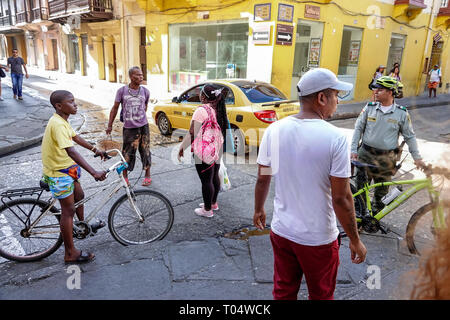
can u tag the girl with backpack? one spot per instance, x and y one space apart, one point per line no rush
206 137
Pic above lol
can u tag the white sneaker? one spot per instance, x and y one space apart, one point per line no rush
213 207
202 212
1 99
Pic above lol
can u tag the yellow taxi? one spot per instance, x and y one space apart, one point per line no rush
251 107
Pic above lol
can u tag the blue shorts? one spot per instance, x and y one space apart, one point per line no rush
60 187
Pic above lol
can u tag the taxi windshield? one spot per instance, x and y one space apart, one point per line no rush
259 92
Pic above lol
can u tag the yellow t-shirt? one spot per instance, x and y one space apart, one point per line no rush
57 136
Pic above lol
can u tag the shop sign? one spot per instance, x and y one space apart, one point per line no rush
312 12
262 12
314 52
284 34
353 58
261 34
285 12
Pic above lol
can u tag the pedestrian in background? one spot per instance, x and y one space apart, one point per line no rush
435 80
15 63
2 75
312 188
136 132
207 131
378 128
395 73
379 72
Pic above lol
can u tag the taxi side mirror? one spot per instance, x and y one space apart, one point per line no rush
175 99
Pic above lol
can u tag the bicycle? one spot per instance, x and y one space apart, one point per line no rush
430 223
30 231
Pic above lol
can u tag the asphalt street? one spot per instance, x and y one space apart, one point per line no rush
219 258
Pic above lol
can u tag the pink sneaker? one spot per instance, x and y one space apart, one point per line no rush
202 212
213 207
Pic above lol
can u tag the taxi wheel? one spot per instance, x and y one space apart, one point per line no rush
164 125
239 142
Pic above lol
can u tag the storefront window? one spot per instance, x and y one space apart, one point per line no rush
308 46
201 52
396 50
350 52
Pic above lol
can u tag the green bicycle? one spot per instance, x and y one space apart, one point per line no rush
423 225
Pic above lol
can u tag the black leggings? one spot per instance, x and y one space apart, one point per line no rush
209 176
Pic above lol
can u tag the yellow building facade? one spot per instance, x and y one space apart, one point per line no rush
190 41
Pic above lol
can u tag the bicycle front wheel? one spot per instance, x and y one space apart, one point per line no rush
420 231
20 242
126 226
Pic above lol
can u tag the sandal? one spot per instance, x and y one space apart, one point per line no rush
82 258
147 182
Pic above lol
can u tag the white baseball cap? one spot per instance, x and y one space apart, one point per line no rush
319 79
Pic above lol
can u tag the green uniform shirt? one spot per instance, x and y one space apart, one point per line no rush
381 130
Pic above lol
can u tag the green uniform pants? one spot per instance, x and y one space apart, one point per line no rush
386 165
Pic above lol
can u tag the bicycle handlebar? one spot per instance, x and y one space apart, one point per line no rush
116 165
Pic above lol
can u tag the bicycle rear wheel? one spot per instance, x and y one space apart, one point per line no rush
125 225
17 242
420 232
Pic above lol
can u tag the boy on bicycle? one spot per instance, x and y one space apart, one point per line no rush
61 170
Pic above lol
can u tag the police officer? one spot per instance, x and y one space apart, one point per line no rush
379 126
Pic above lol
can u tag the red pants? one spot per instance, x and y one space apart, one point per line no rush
292 260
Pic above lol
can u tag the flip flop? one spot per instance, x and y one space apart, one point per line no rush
147 182
82 258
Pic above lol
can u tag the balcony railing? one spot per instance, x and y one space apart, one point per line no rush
39 14
90 10
5 21
412 3
23 17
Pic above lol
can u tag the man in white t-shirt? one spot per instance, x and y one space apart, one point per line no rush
309 160
435 80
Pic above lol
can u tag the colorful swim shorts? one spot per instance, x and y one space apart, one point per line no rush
60 187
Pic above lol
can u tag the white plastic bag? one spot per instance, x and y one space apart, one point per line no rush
223 175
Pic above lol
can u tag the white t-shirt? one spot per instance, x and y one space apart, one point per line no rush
386 109
435 75
303 154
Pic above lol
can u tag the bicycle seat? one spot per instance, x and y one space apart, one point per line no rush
362 164
44 185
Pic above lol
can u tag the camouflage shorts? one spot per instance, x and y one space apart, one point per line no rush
137 139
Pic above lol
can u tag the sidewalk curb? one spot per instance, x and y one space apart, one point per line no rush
35 140
351 115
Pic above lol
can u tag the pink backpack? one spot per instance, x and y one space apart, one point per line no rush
209 140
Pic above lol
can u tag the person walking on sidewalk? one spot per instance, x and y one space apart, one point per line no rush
61 170
2 75
378 128
16 63
435 80
309 160
136 132
206 138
